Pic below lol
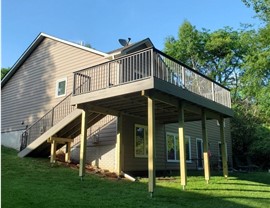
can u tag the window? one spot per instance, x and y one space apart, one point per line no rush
220 151
61 87
173 147
141 141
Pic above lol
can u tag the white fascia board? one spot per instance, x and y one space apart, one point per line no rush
75 45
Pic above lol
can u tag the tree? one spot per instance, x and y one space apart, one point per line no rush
261 7
255 88
256 76
223 56
187 48
4 72
217 54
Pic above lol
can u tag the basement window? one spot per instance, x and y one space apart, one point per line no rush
141 141
61 87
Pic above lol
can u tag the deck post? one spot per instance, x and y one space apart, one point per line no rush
182 151
53 151
151 146
223 147
83 143
119 150
205 148
68 151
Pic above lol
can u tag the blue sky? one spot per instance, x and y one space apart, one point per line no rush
102 22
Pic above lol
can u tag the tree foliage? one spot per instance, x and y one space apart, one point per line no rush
238 59
256 74
4 72
261 7
187 47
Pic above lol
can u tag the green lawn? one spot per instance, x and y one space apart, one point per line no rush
32 182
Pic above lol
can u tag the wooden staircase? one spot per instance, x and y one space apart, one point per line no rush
62 121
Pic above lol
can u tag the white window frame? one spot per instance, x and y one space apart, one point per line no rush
145 151
57 87
187 138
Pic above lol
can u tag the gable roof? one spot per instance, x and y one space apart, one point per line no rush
34 45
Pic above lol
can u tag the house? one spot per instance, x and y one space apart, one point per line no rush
132 109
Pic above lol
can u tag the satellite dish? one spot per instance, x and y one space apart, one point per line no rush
124 42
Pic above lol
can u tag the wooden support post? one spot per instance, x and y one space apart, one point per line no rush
151 146
223 147
182 151
119 154
83 143
205 148
53 151
68 151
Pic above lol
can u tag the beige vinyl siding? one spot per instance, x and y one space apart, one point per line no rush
160 147
30 93
102 153
106 132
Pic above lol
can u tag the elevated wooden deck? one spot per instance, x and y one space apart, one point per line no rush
152 86
121 85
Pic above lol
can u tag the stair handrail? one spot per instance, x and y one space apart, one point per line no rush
26 135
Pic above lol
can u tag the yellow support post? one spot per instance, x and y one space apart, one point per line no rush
83 143
223 147
119 155
182 151
205 148
53 151
151 146
68 151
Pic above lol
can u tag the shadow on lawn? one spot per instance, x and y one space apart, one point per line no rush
169 197
257 177
233 189
243 184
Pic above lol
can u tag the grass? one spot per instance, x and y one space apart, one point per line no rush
32 182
